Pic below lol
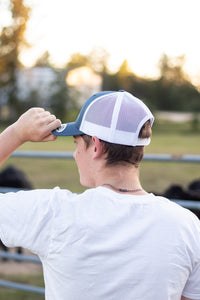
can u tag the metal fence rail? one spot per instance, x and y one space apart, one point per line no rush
20 257
69 155
189 204
22 287
16 285
43 154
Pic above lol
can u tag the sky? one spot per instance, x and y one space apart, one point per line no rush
137 30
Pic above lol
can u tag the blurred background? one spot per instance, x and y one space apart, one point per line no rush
55 54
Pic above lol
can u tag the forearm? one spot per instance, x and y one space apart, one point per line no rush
9 142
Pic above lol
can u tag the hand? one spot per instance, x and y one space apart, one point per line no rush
36 125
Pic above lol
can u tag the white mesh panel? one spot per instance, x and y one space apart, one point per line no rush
132 113
101 112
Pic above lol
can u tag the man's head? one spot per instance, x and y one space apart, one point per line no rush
119 120
122 154
114 117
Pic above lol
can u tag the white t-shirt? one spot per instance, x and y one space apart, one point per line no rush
102 245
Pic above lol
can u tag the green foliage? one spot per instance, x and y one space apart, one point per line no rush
97 59
172 91
59 101
11 42
77 60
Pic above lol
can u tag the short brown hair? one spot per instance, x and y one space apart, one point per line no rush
122 154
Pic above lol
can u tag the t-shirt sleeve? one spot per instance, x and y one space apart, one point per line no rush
26 220
192 287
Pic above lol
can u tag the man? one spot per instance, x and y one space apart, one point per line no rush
114 241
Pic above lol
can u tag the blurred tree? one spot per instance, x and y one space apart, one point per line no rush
121 80
44 60
11 42
171 69
173 90
125 79
110 81
98 60
125 76
60 101
77 60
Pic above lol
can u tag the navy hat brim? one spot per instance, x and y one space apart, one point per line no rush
68 129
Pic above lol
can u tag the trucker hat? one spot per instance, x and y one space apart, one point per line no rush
112 116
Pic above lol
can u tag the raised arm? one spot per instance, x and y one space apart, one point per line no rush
35 125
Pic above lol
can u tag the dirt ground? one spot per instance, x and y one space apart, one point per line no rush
12 267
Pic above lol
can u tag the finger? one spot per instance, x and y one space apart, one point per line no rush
46 113
44 119
50 118
54 125
49 138
36 110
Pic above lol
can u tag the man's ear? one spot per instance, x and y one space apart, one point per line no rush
97 147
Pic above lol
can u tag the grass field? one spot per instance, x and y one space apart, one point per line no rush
168 138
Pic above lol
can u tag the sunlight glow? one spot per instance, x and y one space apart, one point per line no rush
83 76
139 31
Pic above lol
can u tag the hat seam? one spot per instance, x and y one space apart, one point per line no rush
115 113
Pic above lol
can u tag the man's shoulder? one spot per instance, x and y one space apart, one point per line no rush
178 213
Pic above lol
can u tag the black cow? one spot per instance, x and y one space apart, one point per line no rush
194 186
12 177
177 192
